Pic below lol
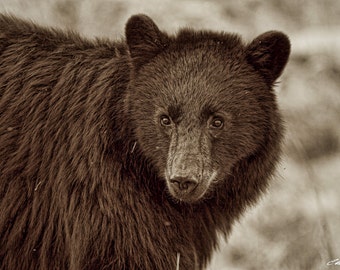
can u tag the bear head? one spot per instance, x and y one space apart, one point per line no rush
201 101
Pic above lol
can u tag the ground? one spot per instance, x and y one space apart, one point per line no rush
296 225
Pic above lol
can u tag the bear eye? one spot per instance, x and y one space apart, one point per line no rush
165 120
217 123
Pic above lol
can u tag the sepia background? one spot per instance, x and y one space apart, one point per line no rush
297 224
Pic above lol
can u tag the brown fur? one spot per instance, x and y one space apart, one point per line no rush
77 189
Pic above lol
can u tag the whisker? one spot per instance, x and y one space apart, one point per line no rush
177 260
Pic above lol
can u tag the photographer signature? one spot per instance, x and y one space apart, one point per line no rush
334 262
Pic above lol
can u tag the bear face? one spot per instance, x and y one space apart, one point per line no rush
199 101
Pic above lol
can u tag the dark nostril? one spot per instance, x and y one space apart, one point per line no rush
183 183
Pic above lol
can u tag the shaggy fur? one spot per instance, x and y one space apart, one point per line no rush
82 159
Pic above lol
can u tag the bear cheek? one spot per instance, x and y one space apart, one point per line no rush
149 142
155 144
243 138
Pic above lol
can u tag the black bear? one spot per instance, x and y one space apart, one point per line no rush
132 154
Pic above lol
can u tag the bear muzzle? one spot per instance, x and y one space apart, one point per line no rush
188 179
188 188
189 171
183 184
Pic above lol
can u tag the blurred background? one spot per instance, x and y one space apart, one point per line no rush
297 224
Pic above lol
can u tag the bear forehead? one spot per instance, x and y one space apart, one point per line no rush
198 71
199 57
194 74
198 95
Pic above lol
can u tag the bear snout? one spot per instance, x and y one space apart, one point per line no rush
188 188
183 184
190 184
188 170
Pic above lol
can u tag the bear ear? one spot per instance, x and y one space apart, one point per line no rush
269 53
144 39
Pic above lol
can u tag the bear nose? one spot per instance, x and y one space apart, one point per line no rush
184 183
